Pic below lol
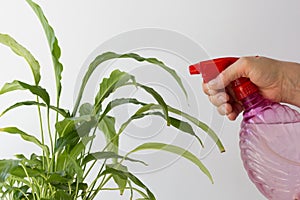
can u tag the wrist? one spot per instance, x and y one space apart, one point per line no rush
291 83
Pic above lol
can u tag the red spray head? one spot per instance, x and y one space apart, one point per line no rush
210 69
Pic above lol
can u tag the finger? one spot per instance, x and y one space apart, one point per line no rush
237 109
231 73
225 109
207 90
219 98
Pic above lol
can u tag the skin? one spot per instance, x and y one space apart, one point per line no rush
277 80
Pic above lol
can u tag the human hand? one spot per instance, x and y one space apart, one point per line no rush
274 79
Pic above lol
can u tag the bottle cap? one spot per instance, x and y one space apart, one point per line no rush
210 69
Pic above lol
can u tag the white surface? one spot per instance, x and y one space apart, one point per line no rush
269 28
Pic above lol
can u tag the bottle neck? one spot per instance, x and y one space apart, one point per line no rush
252 101
254 104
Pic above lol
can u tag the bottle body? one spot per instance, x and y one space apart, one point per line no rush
270 147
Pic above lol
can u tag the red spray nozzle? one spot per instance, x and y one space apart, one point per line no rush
210 69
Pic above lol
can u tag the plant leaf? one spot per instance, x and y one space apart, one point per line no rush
184 127
53 44
63 112
159 63
19 85
62 195
5 167
133 178
80 147
26 137
120 181
19 193
34 161
23 52
86 109
176 150
118 102
56 178
192 119
107 126
201 125
159 100
179 124
108 85
137 115
20 172
106 155
82 125
69 167
111 55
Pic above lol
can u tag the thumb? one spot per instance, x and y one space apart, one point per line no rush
231 73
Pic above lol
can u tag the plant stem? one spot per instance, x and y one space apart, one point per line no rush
41 128
30 181
49 130
56 133
90 146
91 187
127 188
89 170
103 182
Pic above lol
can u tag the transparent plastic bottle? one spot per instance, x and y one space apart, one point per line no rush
269 136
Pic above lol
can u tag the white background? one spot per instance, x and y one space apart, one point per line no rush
269 28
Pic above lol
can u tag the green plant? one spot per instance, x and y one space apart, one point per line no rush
65 161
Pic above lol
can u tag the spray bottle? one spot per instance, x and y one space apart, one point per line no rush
269 135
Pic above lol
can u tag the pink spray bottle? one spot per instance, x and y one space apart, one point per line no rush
269 135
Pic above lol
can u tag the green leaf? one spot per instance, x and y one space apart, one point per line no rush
19 193
179 124
133 178
80 147
106 155
65 127
120 181
159 63
85 109
19 85
62 195
67 141
71 130
108 85
201 125
176 150
23 52
5 167
118 102
63 112
34 161
159 100
53 44
57 178
137 115
82 125
68 167
21 173
184 127
26 137
195 121
107 126
111 55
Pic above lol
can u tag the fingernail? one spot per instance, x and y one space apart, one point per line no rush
212 82
221 99
211 92
224 110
